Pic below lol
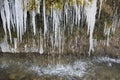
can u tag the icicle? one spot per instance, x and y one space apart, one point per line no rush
45 22
33 22
4 20
25 15
78 14
115 21
78 17
66 13
101 1
15 44
11 4
41 51
13 15
55 26
76 10
7 13
19 18
91 16
107 32
60 40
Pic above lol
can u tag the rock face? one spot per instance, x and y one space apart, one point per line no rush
114 45
79 28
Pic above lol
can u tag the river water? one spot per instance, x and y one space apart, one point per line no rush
58 67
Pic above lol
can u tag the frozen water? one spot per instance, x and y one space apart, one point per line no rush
90 12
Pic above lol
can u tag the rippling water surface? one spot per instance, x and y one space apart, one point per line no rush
67 67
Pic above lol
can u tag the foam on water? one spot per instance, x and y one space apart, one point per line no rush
107 59
78 69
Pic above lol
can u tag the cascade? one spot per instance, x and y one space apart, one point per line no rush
48 26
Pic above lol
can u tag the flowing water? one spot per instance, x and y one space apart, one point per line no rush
64 67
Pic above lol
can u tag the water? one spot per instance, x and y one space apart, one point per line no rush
65 67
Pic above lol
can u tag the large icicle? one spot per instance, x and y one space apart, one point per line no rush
25 15
90 12
78 14
33 21
55 26
7 13
19 18
56 29
44 14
